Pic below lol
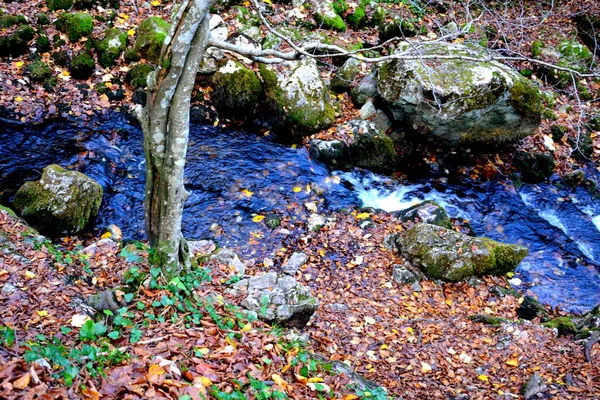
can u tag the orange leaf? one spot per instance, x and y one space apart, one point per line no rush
156 369
22 382
513 362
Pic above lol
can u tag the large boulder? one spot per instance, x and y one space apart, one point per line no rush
452 256
75 25
61 201
278 298
301 97
237 90
110 48
457 101
151 35
17 43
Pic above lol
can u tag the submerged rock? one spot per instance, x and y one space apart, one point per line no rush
278 298
428 211
61 201
445 254
458 101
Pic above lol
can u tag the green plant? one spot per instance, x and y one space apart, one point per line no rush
7 336
67 363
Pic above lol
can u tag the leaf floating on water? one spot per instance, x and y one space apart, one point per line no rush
258 218
297 189
247 193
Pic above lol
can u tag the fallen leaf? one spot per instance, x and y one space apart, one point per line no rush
23 381
425 367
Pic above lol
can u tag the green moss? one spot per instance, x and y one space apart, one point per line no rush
558 132
150 38
525 97
357 18
335 23
8 211
549 114
61 201
131 55
17 43
82 66
536 49
564 325
42 44
75 25
39 71
339 6
42 19
374 152
111 47
137 76
59 4
269 78
506 258
488 319
6 21
236 92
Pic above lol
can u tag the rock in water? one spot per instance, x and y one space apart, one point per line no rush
445 254
457 101
60 202
278 298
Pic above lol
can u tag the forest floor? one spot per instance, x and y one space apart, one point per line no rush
415 340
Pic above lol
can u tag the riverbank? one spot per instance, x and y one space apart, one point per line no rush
414 340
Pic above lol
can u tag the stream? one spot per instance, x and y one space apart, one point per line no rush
233 176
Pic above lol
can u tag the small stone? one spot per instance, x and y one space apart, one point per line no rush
294 263
311 206
367 110
401 274
201 247
316 222
532 387
228 257
115 232
416 287
9 288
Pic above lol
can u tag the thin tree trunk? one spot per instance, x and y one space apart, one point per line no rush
165 122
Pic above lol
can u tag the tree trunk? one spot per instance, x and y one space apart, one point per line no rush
165 123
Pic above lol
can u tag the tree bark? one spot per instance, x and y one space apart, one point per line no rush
165 123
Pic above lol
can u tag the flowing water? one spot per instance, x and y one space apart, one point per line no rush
233 176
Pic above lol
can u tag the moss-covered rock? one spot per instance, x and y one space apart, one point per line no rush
563 325
445 254
326 16
42 19
6 21
59 4
303 100
75 25
151 35
459 102
87 4
365 89
371 149
397 26
82 66
536 167
138 75
111 47
61 201
39 71
17 43
330 152
42 44
558 132
344 77
237 90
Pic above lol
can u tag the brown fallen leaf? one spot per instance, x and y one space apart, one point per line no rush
23 381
